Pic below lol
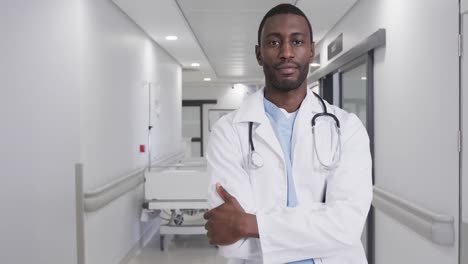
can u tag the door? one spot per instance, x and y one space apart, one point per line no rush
353 93
351 88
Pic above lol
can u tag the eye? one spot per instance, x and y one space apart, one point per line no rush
298 42
274 43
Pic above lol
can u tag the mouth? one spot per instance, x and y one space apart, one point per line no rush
287 68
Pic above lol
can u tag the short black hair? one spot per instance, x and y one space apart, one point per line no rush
284 9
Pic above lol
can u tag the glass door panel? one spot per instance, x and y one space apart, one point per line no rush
191 127
354 91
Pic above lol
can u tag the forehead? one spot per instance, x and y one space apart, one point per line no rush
285 24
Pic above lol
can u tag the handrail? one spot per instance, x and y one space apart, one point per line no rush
103 195
100 197
438 228
93 201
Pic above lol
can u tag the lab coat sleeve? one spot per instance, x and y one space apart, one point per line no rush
226 166
320 230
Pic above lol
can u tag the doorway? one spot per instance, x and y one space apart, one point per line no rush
192 124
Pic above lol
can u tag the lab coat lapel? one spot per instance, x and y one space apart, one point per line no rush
266 133
253 110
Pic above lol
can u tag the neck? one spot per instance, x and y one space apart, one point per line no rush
288 100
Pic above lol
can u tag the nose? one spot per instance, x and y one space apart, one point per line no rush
286 51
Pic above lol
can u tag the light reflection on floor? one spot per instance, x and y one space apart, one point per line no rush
193 249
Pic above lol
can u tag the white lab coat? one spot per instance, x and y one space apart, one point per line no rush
332 206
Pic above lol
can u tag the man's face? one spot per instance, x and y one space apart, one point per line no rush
285 51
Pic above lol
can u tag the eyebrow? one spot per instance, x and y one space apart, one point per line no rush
276 34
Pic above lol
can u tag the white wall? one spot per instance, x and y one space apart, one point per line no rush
227 97
120 60
416 114
40 68
72 77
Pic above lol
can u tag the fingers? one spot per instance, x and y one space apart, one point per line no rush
209 234
210 239
223 193
207 215
207 225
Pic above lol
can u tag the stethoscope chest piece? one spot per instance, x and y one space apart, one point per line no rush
256 160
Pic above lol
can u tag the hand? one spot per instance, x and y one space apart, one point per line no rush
226 222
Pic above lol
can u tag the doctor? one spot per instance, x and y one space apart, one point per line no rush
277 195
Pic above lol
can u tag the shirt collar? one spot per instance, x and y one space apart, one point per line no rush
276 113
253 107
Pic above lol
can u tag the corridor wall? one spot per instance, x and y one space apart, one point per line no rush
40 79
74 89
416 113
120 61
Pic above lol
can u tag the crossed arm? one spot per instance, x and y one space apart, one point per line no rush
313 229
228 223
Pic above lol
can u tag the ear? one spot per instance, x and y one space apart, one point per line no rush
312 52
258 55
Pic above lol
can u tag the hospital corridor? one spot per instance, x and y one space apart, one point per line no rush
233 131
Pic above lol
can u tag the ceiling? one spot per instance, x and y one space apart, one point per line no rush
221 35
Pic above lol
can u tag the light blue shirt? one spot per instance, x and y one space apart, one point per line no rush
283 124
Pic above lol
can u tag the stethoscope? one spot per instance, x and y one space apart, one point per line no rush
256 160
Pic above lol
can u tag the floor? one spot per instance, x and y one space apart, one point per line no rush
181 249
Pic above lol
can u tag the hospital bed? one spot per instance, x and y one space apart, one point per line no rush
193 162
178 192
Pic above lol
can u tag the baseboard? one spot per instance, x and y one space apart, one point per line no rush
142 242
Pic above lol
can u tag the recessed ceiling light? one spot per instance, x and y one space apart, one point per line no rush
171 37
207 79
195 64
314 64
364 78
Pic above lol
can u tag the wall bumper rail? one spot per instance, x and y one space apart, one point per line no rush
438 228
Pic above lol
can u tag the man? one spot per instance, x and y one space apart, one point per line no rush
274 199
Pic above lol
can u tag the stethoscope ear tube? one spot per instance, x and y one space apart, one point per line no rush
252 147
337 153
337 122
256 160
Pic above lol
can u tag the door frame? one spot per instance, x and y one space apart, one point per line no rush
463 104
199 103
